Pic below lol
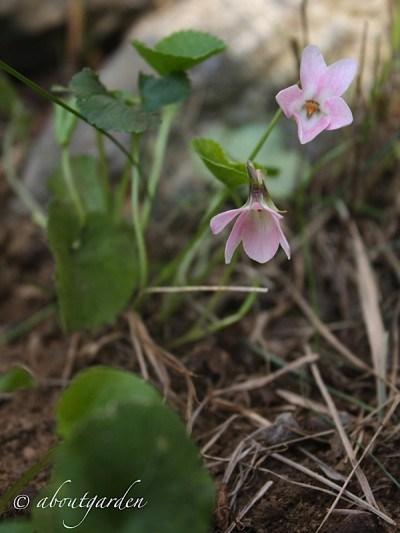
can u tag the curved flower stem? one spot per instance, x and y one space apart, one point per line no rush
121 192
103 167
136 219
167 117
70 184
266 134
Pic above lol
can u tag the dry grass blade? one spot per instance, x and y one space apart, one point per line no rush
242 513
343 435
206 288
322 329
301 401
239 453
388 416
301 484
221 429
326 469
160 359
369 298
196 413
250 414
137 346
395 345
258 382
325 332
361 503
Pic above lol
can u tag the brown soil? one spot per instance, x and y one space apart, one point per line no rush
27 423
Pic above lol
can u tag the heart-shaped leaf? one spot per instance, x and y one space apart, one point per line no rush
105 109
95 266
180 51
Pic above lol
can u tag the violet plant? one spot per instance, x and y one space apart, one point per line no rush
101 256
102 262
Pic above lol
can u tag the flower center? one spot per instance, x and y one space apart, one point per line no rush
311 107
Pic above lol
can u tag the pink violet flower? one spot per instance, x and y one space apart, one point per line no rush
257 224
317 105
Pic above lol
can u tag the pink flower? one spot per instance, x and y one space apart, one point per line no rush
318 105
257 225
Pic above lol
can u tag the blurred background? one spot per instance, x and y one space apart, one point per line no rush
50 40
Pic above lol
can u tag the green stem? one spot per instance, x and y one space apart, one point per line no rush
49 96
197 332
120 193
266 134
103 166
26 325
70 183
136 219
168 115
175 269
23 481
20 190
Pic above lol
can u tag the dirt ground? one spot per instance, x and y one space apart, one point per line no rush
293 503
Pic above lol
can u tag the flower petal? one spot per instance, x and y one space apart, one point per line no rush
312 68
220 221
337 78
235 236
283 240
309 128
290 100
260 236
339 112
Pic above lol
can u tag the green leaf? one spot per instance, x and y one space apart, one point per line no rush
104 109
8 96
64 122
16 378
276 154
180 51
158 92
86 83
99 389
17 526
87 177
95 266
108 113
232 173
142 449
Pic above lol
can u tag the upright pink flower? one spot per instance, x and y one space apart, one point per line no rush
317 105
257 224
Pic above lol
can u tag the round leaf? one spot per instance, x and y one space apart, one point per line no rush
180 51
97 389
142 449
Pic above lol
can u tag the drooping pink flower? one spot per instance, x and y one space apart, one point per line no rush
257 224
317 105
